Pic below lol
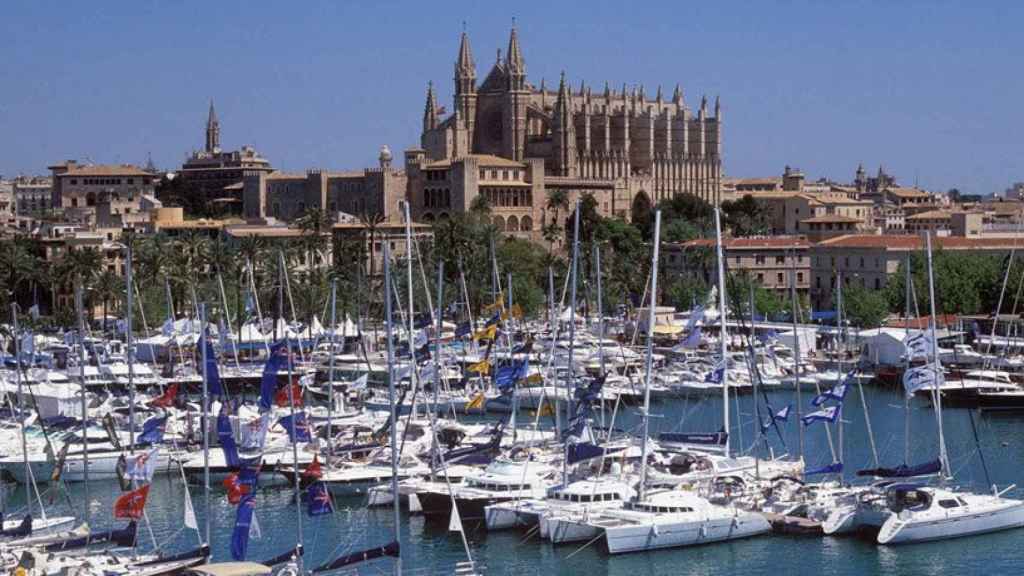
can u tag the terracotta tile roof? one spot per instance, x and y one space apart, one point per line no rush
776 242
831 218
916 242
482 159
930 215
104 170
907 192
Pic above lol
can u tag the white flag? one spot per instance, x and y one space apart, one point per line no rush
401 372
254 528
455 523
142 466
359 383
190 513
920 346
420 339
427 373
922 377
254 432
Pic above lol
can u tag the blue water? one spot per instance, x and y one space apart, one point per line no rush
432 547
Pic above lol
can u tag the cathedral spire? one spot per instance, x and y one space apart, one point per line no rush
607 93
677 96
465 68
703 107
658 98
514 62
563 131
212 130
718 109
430 109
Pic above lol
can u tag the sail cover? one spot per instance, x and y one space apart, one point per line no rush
903 470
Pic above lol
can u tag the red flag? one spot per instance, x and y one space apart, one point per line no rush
165 400
130 504
314 471
282 397
235 488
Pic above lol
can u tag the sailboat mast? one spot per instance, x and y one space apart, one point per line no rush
572 321
906 401
295 446
937 396
413 379
724 336
600 310
391 400
330 368
85 405
794 304
129 352
21 407
205 424
649 355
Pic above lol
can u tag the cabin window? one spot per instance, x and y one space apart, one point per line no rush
949 503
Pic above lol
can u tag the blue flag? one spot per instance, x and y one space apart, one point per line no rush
299 431
243 521
152 431
318 499
696 315
833 468
268 382
692 340
829 414
227 439
463 329
212 374
249 473
716 375
837 393
493 320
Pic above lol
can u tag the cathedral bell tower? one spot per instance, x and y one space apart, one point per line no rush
465 88
516 98
212 131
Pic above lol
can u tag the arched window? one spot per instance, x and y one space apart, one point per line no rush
90 199
499 223
428 217
513 224
526 224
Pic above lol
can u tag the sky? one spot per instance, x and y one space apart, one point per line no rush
931 90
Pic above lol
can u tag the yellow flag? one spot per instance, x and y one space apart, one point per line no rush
535 378
545 409
517 312
482 367
476 402
499 303
487 333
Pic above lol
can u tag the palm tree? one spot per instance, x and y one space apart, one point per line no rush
314 226
558 199
108 287
371 222
16 263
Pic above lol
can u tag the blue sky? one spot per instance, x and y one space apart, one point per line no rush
933 90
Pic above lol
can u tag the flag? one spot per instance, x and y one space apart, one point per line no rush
268 381
517 312
243 521
716 375
692 340
165 400
476 402
524 348
828 414
167 328
314 471
455 521
493 320
254 432
507 376
241 483
783 415
481 367
420 339
131 504
696 315
535 378
297 427
359 383
401 372
833 468
284 397
463 329
255 532
227 439
190 512
837 392
922 377
487 333
423 353
234 488
920 345
318 500
212 373
141 467
152 431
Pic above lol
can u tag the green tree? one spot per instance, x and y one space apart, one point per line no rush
864 308
745 217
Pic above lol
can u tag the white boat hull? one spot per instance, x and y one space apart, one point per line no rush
630 537
899 530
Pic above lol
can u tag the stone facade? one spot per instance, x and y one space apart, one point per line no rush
609 140
77 189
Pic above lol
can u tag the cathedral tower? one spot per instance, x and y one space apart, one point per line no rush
465 88
563 133
212 131
516 99
430 109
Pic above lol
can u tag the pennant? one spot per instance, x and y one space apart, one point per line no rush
243 522
213 385
696 315
254 432
227 439
190 512
692 340
131 504
922 377
166 400
152 431
716 375
476 402
498 304
494 320
455 521
487 333
287 394
833 468
314 471
297 427
141 467
829 414
277 360
318 500
481 367
837 392
359 383
920 345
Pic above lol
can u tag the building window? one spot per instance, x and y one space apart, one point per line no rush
759 259
799 277
779 278
878 283
760 278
